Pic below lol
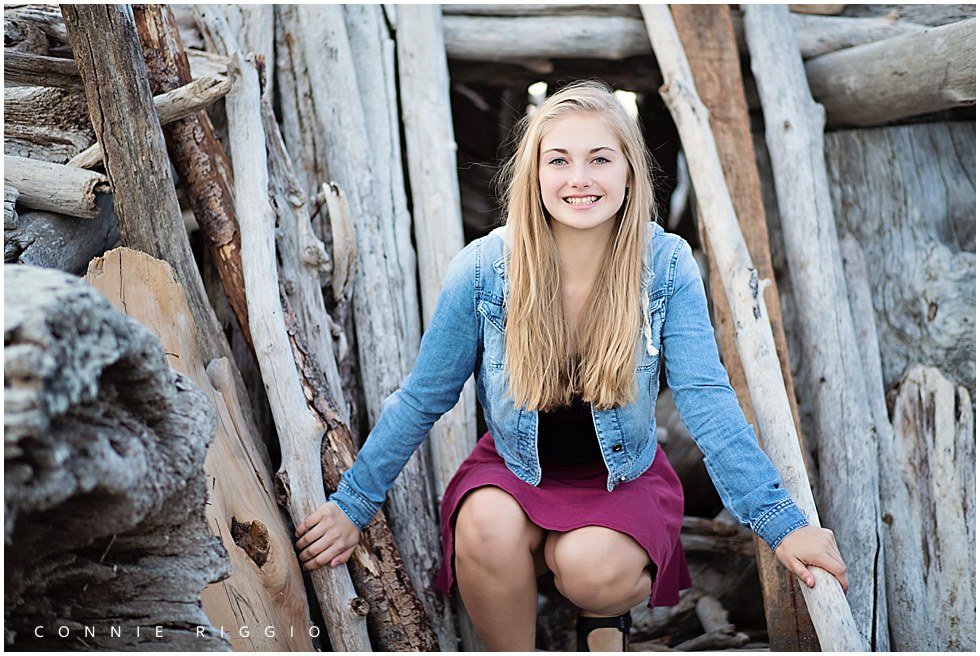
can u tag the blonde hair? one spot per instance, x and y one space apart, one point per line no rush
544 371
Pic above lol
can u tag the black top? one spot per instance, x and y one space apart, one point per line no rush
566 435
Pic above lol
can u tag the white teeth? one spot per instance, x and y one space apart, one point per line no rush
587 200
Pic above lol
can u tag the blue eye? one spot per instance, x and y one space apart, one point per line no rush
601 160
557 160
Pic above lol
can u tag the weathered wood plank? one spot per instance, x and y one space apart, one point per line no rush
40 70
828 607
846 436
45 123
265 588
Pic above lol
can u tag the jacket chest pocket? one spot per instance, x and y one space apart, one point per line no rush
493 334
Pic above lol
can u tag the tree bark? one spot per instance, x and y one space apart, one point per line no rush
55 187
197 154
899 77
104 497
265 588
908 194
707 36
832 619
846 436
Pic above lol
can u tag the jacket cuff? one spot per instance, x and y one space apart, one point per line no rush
778 522
356 506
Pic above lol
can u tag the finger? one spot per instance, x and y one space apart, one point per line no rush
319 553
343 557
803 573
311 520
311 535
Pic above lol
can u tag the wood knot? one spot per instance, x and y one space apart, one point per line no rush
360 606
253 538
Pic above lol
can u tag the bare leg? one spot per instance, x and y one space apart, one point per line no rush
498 556
603 572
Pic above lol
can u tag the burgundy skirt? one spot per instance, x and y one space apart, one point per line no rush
649 509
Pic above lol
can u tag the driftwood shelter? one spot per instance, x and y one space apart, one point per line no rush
225 228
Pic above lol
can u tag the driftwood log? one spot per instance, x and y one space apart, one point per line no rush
828 608
40 70
899 77
931 607
45 123
908 194
262 605
57 241
300 428
55 187
936 450
708 38
846 437
107 544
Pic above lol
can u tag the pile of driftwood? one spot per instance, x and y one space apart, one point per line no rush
280 243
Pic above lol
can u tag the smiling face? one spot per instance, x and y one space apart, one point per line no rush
583 173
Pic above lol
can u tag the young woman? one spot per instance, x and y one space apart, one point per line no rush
565 316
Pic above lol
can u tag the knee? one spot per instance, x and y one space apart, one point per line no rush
599 582
490 526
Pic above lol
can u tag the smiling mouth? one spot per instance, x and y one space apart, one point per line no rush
582 200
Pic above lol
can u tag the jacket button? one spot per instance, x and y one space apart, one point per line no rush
617 448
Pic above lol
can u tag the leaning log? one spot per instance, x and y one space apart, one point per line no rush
55 187
265 588
908 194
846 437
708 38
900 77
828 607
198 156
300 428
104 493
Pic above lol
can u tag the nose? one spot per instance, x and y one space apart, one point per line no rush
578 176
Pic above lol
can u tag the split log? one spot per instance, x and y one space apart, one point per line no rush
265 588
908 194
846 436
40 70
55 187
198 156
899 77
104 496
171 106
300 428
828 607
919 619
707 36
431 152
935 447
45 124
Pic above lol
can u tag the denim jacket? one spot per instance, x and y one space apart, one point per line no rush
466 336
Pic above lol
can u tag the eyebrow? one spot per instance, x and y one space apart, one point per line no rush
565 152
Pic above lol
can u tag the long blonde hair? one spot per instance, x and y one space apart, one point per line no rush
544 371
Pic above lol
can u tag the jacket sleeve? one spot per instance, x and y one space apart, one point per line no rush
447 357
746 480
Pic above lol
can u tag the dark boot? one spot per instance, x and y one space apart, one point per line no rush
586 625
